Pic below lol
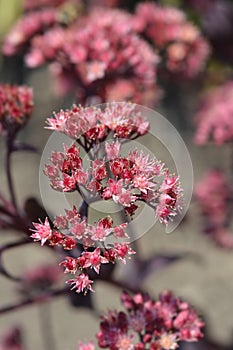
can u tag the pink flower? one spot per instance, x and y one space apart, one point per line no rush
78 228
113 150
122 250
95 70
42 232
125 342
168 341
81 283
99 171
70 264
94 259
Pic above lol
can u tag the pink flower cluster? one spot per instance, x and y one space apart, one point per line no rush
124 179
99 53
120 120
213 194
71 229
110 176
16 104
40 17
214 118
148 324
180 44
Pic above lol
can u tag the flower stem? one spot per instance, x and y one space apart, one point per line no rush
9 174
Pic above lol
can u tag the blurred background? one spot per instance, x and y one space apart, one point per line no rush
189 81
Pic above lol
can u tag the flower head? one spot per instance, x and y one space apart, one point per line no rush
81 283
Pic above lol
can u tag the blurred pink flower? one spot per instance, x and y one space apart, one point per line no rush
16 104
90 54
42 232
183 49
213 194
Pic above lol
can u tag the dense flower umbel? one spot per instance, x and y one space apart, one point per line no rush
148 324
109 176
183 49
125 180
117 119
215 116
40 17
102 49
16 104
71 229
214 196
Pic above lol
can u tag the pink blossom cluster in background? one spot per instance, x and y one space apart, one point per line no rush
213 194
148 324
181 46
214 118
39 17
96 52
26 28
109 54
16 104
